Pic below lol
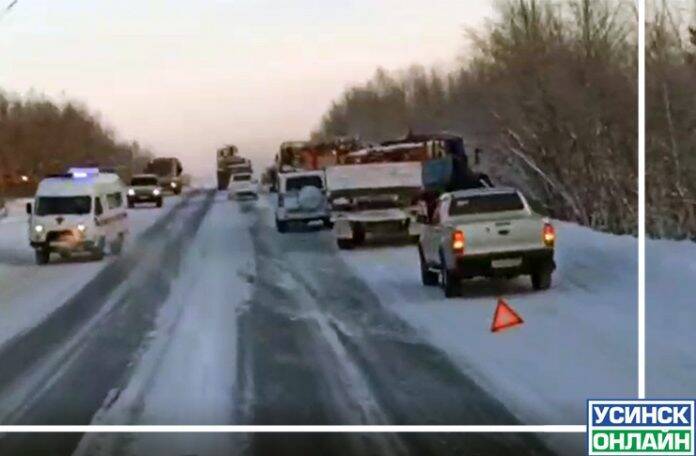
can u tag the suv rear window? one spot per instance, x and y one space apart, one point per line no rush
296 183
482 204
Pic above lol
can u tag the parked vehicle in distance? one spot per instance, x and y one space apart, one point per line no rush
83 211
243 185
169 173
377 198
487 232
301 198
144 188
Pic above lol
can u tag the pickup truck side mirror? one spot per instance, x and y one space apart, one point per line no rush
28 208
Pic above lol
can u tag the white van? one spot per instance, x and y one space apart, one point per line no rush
243 185
79 212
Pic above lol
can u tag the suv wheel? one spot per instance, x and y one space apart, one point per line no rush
429 278
281 225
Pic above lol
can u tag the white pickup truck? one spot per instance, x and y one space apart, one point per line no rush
488 232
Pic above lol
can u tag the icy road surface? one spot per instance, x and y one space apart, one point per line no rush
212 317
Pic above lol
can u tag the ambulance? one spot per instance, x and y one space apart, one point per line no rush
81 212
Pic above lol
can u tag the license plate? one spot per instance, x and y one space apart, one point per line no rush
506 263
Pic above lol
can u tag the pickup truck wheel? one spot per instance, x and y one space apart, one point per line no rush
281 225
345 244
429 278
541 279
42 256
450 282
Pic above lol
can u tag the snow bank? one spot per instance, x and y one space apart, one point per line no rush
671 319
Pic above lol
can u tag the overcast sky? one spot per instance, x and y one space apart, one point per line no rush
186 77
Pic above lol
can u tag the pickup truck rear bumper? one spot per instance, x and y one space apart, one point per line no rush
468 266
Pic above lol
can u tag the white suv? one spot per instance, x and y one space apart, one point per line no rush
301 198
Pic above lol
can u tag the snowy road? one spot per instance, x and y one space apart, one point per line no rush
212 317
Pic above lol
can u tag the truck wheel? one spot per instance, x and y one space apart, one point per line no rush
42 256
131 204
281 225
345 244
428 277
541 279
450 282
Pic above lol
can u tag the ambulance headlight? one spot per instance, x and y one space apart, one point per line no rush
38 229
156 192
131 192
81 228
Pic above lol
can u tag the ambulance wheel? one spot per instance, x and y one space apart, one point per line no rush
42 256
98 252
117 246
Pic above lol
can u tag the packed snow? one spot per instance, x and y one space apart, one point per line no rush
29 293
670 319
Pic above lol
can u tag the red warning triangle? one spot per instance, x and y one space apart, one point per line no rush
504 317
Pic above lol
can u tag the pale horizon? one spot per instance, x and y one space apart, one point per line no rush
184 78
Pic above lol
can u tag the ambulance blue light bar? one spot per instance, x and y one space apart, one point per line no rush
81 173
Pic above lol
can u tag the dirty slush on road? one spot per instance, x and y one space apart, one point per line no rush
316 347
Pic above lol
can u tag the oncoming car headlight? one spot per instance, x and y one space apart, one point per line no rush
131 192
38 228
156 192
173 184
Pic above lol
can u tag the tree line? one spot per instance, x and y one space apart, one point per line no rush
671 119
40 137
548 92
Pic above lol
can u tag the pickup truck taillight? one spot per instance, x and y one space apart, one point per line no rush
548 235
458 241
